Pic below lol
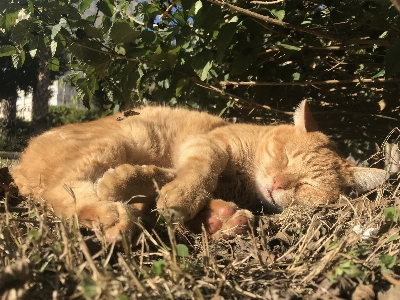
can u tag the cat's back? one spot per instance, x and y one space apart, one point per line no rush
157 129
148 120
178 120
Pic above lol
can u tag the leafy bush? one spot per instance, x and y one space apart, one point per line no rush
57 116
20 140
61 115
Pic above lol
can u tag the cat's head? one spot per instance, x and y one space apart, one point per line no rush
299 164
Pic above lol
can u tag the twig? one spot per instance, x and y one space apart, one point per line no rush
24 220
266 2
168 9
136 21
132 275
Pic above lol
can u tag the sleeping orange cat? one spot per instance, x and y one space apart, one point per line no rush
114 171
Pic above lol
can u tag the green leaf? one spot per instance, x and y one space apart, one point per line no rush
94 31
34 234
58 9
148 36
392 238
172 56
392 61
106 7
391 214
278 13
224 38
7 50
122 32
296 76
182 250
54 65
188 4
30 6
229 104
56 28
158 267
11 19
18 59
32 52
197 6
84 4
210 18
292 47
332 246
202 63
53 47
332 277
22 31
182 83
241 63
89 287
387 260
381 73
157 56
383 35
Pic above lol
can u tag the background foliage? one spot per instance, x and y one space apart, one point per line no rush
57 116
60 115
249 59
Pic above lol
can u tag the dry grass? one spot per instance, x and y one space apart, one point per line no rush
339 251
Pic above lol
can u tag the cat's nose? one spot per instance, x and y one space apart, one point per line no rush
278 184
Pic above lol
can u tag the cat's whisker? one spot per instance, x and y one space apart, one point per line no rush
136 199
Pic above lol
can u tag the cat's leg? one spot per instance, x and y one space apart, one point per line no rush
199 162
133 189
110 220
222 219
126 181
107 218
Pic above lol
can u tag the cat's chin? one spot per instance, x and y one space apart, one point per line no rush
269 202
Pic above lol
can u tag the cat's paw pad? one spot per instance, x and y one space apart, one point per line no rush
108 220
222 219
227 225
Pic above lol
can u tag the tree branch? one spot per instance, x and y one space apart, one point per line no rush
333 81
256 105
110 54
237 98
297 28
168 9
274 21
267 2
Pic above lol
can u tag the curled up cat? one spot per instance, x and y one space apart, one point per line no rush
116 171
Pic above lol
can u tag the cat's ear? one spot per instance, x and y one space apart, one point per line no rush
366 179
303 118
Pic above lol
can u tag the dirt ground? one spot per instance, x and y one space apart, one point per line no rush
348 250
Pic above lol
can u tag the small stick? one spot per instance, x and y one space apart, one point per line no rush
168 9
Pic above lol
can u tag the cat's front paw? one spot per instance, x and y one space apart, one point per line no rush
108 220
222 219
182 200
